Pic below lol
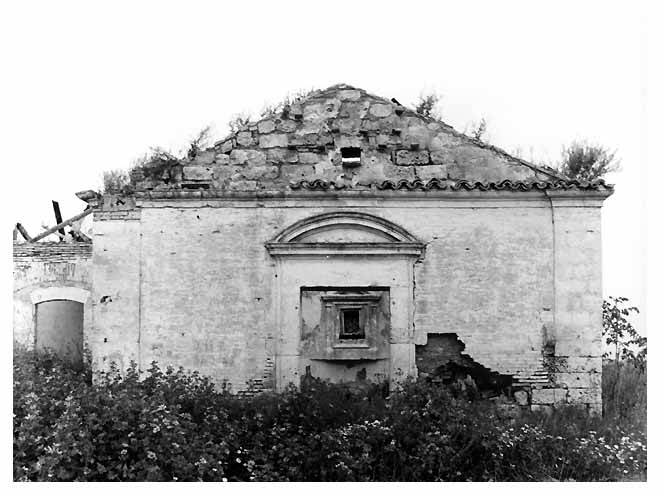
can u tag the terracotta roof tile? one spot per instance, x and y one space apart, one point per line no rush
463 185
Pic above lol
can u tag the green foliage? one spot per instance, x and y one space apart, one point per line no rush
172 425
586 162
427 105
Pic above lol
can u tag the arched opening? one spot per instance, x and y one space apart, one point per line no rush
59 328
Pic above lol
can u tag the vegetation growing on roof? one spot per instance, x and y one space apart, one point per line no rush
584 161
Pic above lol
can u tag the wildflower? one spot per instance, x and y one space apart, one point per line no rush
156 429
123 452
224 479
151 455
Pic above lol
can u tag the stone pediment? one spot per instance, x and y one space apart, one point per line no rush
346 136
345 233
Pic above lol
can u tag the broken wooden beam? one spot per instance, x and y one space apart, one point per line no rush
78 235
23 232
53 229
58 216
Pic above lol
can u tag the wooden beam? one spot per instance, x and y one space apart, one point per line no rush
58 216
23 232
78 235
61 225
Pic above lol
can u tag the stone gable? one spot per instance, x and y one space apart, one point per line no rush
312 139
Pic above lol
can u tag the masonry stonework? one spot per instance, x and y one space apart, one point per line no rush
208 263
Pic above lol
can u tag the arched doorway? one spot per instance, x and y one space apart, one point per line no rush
59 328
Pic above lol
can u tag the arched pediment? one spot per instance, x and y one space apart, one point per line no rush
345 233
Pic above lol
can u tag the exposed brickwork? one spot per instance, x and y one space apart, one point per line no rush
51 252
54 267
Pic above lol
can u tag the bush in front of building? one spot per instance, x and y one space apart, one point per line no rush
171 425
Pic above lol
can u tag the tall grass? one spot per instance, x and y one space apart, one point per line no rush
624 393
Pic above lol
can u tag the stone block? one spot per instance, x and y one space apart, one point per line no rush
314 111
205 157
355 110
260 173
244 138
584 395
348 125
226 146
266 126
583 364
197 173
296 172
548 396
281 155
238 157
382 140
309 157
222 159
412 157
351 95
243 185
255 157
439 157
577 379
286 126
381 110
273 140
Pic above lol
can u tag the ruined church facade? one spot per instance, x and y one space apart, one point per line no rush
347 238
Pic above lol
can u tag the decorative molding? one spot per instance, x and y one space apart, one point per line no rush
396 240
415 250
59 293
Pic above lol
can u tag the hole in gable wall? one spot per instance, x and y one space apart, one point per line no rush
350 156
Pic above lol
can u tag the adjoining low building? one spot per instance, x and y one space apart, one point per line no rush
346 237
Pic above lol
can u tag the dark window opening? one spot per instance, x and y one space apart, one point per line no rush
350 156
351 328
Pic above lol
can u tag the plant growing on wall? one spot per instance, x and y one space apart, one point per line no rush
427 105
587 162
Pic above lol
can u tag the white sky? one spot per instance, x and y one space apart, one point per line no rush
88 87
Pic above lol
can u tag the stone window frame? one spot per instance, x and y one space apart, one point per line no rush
365 304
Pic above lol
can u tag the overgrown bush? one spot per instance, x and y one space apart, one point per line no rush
173 425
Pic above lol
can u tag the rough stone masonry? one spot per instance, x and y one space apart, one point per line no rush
346 237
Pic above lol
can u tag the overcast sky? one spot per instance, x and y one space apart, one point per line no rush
91 88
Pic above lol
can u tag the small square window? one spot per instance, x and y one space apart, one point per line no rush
350 156
351 328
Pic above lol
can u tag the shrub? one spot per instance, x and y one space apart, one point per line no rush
172 425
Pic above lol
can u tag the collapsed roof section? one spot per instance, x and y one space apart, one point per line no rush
349 138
